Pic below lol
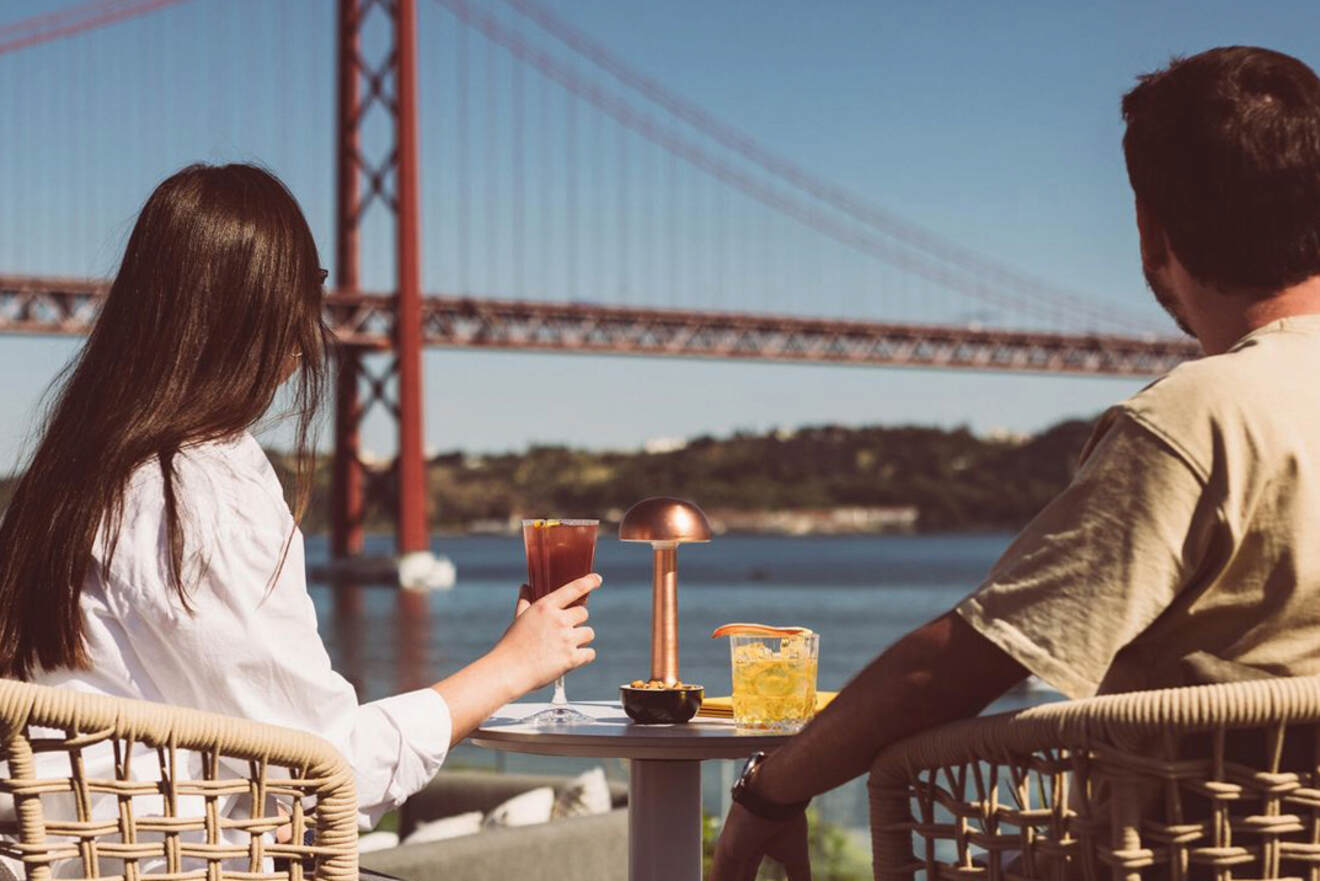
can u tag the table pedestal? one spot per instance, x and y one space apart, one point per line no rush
664 820
664 806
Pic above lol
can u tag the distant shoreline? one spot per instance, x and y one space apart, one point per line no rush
817 480
609 531
825 479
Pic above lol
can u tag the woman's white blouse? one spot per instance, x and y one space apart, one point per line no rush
249 647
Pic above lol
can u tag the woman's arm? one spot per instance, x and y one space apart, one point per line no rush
246 651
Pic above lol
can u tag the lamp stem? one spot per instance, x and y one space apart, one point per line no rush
664 613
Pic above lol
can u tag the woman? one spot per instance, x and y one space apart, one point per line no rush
148 552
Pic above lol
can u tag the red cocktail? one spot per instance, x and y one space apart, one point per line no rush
558 551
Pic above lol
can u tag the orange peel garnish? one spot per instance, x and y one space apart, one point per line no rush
742 629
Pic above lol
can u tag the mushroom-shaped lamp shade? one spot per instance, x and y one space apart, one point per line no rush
661 518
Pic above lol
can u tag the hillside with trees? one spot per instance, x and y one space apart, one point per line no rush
954 479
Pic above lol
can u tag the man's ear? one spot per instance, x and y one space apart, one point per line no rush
1154 241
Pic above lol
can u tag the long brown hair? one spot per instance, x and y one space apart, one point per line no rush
218 290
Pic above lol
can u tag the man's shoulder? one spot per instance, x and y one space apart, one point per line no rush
1263 389
1256 372
1193 389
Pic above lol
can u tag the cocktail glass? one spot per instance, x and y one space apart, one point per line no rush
774 681
558 551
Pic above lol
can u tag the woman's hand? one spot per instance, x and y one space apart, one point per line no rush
548 638
524 602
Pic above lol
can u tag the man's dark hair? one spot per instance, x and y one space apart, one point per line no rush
1223 151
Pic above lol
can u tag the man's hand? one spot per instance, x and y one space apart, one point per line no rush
746 838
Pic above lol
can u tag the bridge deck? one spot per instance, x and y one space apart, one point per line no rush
36 305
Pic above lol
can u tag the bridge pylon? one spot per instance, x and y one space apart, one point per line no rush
389 182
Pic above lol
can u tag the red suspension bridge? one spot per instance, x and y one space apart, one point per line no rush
582 207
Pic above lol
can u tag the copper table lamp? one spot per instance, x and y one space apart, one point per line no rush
665 523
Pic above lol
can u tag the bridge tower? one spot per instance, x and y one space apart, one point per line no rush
389 182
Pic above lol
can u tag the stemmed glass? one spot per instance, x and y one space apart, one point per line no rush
558 551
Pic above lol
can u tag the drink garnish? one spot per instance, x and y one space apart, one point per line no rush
743 629
544 524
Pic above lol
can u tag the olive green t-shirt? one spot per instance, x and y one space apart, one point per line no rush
1192 526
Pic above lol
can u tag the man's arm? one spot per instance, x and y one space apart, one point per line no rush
942 671
1089 574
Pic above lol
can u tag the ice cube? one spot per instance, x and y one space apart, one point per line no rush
773 680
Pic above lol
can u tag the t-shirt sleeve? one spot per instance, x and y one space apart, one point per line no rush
1100 563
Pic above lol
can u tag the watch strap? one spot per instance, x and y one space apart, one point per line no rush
749 798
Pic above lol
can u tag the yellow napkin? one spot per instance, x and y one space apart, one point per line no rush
722 707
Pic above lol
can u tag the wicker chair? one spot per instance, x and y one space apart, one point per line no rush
1215 781
291 778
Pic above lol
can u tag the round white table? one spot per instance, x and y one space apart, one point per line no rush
664 788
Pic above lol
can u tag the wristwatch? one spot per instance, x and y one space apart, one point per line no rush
745 795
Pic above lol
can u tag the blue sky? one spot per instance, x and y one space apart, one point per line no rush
995 125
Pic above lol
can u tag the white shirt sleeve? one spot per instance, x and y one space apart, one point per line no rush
250 648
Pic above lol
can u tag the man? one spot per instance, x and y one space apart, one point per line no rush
1189 540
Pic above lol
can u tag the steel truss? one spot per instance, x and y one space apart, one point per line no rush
364 322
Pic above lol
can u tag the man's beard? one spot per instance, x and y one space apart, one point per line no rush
1165 297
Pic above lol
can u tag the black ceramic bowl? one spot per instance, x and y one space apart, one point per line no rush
661 706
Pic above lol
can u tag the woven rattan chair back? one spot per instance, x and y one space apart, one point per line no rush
1217 782
99 787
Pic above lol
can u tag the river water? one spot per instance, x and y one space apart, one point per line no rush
859 592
